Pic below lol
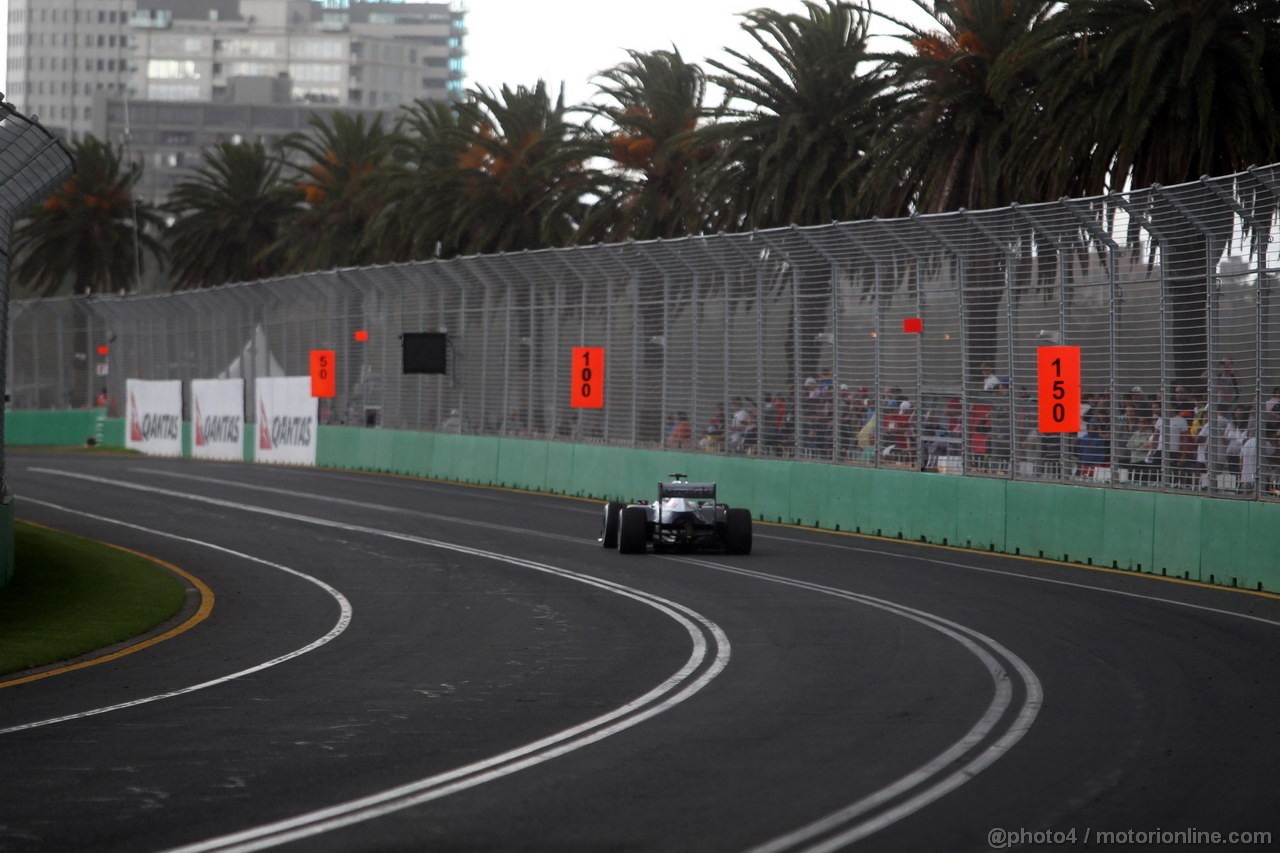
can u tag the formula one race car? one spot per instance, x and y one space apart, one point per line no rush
684 517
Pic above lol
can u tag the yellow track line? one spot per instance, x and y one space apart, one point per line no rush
202 613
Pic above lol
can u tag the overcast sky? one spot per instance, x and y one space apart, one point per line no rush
569 41
516 42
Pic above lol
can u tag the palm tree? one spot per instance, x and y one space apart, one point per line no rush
333 166
1146 92
655 102
1140 92
91 233
523 175
962 81
229 215
798 118
420 183
795 128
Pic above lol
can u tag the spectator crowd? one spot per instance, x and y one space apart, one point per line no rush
1213 435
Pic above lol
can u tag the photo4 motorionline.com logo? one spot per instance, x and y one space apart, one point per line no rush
1000 838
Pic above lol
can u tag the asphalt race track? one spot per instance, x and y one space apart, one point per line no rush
399 665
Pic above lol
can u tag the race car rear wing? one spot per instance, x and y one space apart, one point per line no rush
691 491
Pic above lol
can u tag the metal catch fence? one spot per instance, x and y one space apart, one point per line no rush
907 343
32 162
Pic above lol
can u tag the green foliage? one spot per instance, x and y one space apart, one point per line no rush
987 103
91 235
228 218
333 166
798 118
959 81
419 183
1138 92
523 178
70 596
659 155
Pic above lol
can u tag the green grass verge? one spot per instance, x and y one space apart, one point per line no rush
70 596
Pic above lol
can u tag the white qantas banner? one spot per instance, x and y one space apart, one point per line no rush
153 416
287 420
217 419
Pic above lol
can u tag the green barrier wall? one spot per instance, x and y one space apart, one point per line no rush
71 427
1226 542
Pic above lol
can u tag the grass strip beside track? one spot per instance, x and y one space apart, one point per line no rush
70 596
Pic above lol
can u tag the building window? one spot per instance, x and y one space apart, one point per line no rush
318 49
174 92
315 71
253 69
172 69
257 48
316 95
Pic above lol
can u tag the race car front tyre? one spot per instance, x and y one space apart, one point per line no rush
632 530
609 524
737 531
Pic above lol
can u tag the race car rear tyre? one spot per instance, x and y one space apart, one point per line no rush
609 524
632 532
737 531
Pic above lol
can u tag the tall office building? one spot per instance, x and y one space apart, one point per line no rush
61 52
64 54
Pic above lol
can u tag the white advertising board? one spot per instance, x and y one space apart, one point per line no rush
287 420
217 419
153 416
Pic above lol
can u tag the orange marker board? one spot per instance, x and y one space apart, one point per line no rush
324 374
1058 370
586 385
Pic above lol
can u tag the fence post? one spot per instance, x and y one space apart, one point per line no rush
1106 240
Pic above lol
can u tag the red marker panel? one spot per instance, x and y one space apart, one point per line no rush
324 374
103 349
586 386
361 336
913 325
1058 370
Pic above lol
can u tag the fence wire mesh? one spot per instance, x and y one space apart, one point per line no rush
32 162
906 343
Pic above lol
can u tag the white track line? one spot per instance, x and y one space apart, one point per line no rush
344 619
978 644
333 499
839 821
1040 578
1018 728
680 686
